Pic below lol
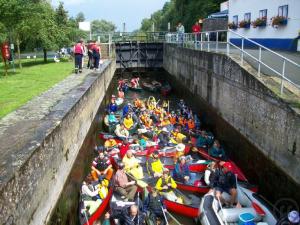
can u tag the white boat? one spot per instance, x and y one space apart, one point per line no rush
213 214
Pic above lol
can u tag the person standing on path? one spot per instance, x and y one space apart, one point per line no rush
96 55
196 29
180 32
78 54
90 54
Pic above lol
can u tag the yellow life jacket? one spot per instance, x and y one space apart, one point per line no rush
128 123
157 166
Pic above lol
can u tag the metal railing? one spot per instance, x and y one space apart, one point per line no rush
231 43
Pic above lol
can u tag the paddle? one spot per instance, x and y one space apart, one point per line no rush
140 183
167 223
186 199
255 206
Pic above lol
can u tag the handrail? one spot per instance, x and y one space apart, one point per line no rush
269 50
194 39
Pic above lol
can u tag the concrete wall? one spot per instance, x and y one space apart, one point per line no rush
244 103
29 195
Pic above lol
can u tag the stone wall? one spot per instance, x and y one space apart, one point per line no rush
31 187
225 90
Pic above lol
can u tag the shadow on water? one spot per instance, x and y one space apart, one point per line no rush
255 165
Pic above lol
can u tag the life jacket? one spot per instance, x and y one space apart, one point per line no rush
178 136
156 166
173 119
128 123
110 143
103 190
78 49
165 183
191 124
181 121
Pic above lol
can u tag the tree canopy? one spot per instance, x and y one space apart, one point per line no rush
175 11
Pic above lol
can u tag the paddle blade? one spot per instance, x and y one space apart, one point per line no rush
258 209
142 184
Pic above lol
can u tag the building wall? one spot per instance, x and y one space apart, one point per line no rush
282 37
247 106
212 24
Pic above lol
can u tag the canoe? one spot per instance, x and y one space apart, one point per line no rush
85 219
138 89
213 214
235 169
149 87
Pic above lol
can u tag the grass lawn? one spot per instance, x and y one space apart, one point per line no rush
36 77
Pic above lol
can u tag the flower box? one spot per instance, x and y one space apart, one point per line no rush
259 22
279 21
244 24
232 26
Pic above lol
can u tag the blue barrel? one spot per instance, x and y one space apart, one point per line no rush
246 219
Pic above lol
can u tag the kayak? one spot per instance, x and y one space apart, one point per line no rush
253 206
138 89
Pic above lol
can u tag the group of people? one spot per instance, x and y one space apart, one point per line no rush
92 49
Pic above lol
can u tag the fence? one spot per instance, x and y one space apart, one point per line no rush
264 60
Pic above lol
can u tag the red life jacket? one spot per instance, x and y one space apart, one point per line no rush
78 49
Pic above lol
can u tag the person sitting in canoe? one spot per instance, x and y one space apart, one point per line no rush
122 186
145 119
122 132
217 150
179 137
139 103
173 118
112 118
127 109
154 165
202 140
132 165
163 137
210 173
190 125
101 168
132 216
154 205
128 122
165 122
113 107
182 172
225 181
165 186
135 82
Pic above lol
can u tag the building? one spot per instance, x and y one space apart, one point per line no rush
272 23
217 20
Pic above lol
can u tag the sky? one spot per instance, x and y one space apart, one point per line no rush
130 12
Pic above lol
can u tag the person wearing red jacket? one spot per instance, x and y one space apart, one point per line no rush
96 55
196 29
78 54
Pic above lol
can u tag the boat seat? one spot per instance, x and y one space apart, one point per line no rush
231 215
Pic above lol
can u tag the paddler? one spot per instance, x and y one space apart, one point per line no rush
154 205
182 172
110 143
135 82
163 137
179 137
139 103
113 107
128 122
101 168
122 132
165 185
112 118
132 165
190 124
173 118
154 165
217 150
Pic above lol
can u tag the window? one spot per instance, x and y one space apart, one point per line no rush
235 20
247 17
283 11
263 14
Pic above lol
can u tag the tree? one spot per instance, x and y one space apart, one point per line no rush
80 17
61 15
102 26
